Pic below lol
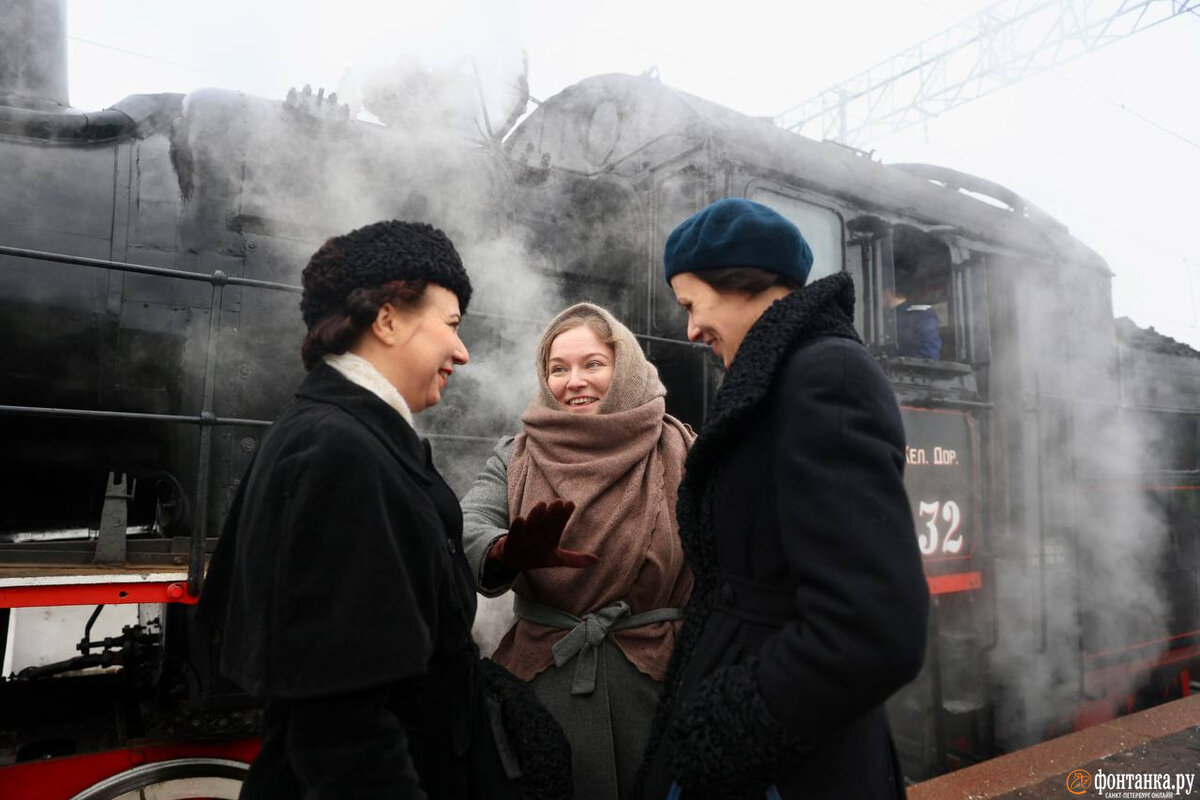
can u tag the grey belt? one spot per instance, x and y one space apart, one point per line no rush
587 634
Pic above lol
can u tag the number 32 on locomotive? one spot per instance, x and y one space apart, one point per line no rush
940 478
939 532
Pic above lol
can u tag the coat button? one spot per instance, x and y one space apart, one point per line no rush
727 596
450 543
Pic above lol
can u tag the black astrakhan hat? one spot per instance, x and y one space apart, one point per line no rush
376 254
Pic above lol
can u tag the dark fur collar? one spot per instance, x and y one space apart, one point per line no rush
823 308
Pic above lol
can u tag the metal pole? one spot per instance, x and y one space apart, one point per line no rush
199 531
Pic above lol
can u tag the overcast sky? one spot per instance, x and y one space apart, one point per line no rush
1108 143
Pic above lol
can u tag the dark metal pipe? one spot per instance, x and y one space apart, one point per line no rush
950 402
85 645
664 340
93 127
216 277
458 437
85 413
219 277
1158 409
544 322
204 468
1043 606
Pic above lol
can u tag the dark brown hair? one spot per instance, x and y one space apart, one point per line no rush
337 332
744 280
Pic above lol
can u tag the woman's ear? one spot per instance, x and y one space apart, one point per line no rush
392 326
385 324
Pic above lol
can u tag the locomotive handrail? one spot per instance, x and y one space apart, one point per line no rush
85 413
950 402
221 278
1127 406
217 277
202 419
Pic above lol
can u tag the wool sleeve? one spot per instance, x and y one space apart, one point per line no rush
351 746
848 540
485 519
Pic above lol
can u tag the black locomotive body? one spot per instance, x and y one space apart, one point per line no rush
1050 466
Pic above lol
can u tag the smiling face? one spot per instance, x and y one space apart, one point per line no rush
428 355
579 370
719 319
416 349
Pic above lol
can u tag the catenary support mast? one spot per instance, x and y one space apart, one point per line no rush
1003 44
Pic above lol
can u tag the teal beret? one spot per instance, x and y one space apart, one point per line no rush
738 233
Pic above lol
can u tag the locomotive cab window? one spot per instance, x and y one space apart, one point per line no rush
904 281
920 297
822 229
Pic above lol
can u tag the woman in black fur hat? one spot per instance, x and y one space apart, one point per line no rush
810 606
339 582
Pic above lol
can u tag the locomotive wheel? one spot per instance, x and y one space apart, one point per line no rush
178 779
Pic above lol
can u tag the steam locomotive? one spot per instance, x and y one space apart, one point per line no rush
149 261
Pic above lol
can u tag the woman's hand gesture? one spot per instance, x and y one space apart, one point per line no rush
532 540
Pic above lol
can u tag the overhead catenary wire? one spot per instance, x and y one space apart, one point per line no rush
136 54
1131 112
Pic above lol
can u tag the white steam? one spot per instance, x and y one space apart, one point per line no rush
1077 578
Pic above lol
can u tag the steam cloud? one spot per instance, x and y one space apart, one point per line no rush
1078 574
265 184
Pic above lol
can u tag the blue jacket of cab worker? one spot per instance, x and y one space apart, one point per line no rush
918 331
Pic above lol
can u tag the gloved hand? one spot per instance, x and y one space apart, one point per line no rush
532 540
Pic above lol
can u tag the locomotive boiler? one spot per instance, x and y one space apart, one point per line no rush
149 267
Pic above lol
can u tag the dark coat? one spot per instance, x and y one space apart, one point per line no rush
810 603
346 605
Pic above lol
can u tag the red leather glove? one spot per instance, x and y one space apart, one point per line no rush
532 540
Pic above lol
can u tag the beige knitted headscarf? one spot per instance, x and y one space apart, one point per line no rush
621 468
635 380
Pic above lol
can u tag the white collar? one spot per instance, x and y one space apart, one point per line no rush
358 370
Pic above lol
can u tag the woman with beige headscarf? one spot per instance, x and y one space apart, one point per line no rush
577 515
